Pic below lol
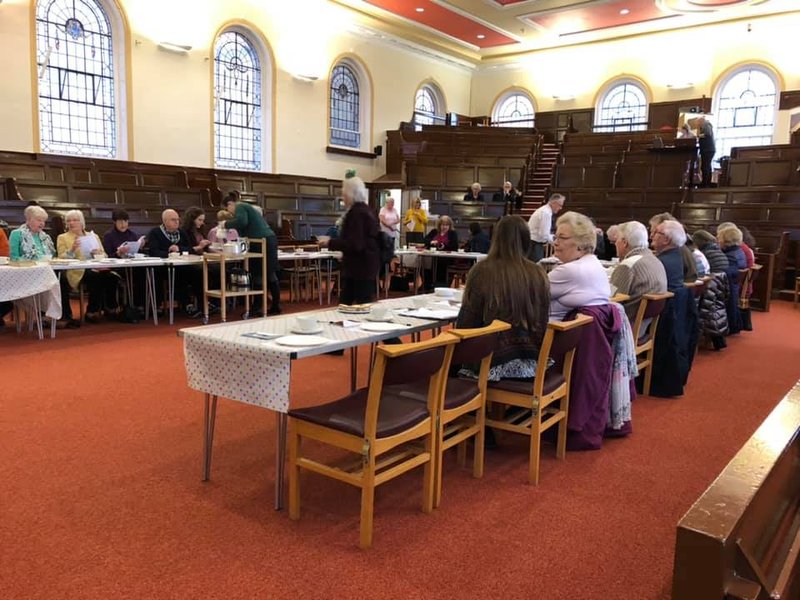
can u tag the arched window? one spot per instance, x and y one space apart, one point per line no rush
345 106
745 110
429 106
237 102
513 110
622 108
77 98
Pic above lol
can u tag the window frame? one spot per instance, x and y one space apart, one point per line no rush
264 141
608 91
503 99
438 116
725 143
364 82
120 146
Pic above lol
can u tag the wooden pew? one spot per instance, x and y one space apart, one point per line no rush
740 539
755 172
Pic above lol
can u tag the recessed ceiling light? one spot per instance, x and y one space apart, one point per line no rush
624 11
420 9
481 36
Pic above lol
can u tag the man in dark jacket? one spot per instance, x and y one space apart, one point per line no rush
358 243
478 240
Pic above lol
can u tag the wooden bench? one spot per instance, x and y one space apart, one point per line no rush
740 540
756 172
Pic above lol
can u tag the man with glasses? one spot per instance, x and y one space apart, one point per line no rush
541 225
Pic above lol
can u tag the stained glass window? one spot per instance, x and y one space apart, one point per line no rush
745 110
515 110
345 107
237 103
623 108
74 53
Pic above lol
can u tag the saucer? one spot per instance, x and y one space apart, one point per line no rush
304 332
385 318
300 341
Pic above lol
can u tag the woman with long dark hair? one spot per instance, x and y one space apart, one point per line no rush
508 286
194 225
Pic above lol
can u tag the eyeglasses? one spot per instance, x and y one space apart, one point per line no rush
564 238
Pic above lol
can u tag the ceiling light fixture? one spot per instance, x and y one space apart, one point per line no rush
481 36
625 11
174 47
420 9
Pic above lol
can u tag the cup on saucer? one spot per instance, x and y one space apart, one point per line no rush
458 296
307 324
379 312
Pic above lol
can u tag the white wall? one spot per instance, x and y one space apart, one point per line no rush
172 93
699 55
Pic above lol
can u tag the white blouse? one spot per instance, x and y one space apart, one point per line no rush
582 282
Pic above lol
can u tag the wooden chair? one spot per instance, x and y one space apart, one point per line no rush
546 397
746 278
377 425
644 332
304 276
457 274
462 412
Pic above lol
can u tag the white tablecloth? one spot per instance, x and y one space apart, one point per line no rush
20 284
222 362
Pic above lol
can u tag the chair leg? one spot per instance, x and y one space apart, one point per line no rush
536 441
480 440
294 475
648 374
367 507
432 473
561 443
437 462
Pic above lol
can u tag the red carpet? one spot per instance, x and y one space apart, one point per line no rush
101 494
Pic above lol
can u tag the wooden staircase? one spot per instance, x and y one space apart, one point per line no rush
539 179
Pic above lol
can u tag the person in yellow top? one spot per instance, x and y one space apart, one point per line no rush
78 243
415 220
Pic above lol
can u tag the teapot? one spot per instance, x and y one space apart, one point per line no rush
240 278
237 247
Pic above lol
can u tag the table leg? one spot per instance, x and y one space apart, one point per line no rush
353 368
280 459
150 293
171 286
38 316
209 420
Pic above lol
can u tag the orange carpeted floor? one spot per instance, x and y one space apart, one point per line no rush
101 495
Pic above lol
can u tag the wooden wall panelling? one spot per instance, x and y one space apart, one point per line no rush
789 197
751 196
117 177
320 189
317 205
491 177
43 193
141 198
23 171
183 199
784 216
633 175
741 214
599 176
95 194
230 182
425 176
275 202
460 177
772 172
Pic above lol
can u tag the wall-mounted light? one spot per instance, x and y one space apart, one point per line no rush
683 85
306 78
563 96
174 47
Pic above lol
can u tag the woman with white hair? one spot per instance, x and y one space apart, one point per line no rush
358 243
639 271
580 279
78 243
669 239
29 241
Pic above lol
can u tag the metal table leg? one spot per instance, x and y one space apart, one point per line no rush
38 316
150 293
280 459
171 286
209 419
353 368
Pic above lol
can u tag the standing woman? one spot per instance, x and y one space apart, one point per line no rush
358 243
101 285
415 221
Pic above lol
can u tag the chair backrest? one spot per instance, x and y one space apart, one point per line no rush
408 363
477 345
651 307
560 341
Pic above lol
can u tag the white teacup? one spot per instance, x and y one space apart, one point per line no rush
458 295
379 312
307 323
174 254
462 250
419 301
4 260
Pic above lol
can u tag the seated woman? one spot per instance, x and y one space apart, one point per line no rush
442 238
114 241
194 226
509 287
580 279
30 242
730 241
83 245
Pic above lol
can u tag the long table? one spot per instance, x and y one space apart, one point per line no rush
435 255
36 282
258 371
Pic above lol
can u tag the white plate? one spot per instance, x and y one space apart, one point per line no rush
444 292
353 311
381 327
304 332
302 340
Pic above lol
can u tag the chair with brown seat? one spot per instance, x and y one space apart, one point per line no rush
546 396
644 332
462 413
390 434
746 279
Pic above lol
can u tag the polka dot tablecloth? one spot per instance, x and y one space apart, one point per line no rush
21 283
251 374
